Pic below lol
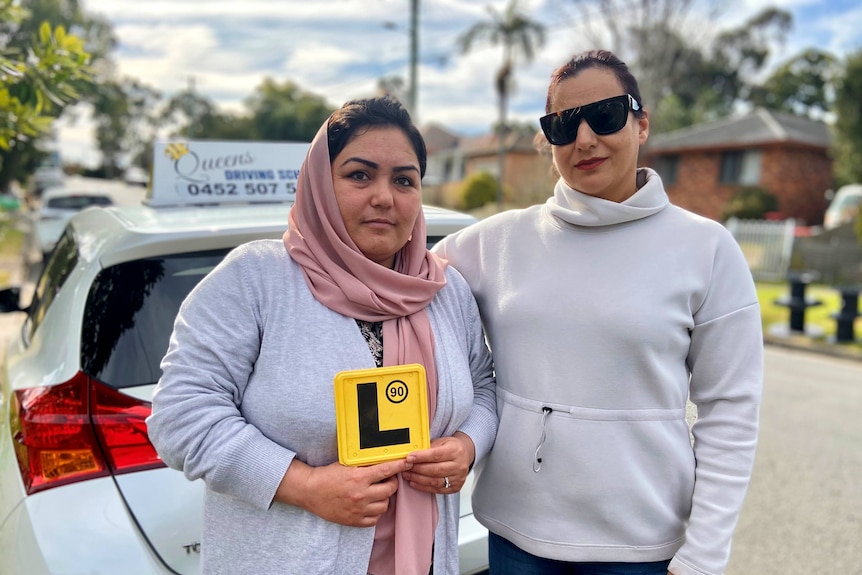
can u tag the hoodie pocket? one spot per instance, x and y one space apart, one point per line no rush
575 473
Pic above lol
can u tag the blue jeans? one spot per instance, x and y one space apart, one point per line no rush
507 559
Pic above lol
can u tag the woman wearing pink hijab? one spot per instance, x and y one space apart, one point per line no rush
246 397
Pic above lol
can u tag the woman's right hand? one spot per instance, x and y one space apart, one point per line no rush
354 496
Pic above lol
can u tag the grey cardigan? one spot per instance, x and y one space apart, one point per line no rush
247 385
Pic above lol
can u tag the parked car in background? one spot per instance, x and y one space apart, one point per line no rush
844 207
59 203
55 209
48 174
81 488
136 176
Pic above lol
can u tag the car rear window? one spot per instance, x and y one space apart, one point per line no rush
57 270
848 201
130 315
78 202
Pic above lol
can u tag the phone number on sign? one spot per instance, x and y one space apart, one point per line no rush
248 189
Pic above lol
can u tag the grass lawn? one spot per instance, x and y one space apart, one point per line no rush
11 240
11 244
819 317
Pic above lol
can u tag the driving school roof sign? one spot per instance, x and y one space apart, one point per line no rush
217 172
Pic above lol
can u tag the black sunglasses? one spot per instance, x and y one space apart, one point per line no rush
604 117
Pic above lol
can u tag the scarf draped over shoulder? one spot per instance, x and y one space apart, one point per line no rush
343 279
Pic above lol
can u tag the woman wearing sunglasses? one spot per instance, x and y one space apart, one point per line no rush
606 308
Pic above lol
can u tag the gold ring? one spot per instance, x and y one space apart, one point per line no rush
446 484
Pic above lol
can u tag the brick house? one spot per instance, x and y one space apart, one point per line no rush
451 159
703 166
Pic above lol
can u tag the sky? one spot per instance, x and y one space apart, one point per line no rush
339 49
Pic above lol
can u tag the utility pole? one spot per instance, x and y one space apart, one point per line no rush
414 59
192 112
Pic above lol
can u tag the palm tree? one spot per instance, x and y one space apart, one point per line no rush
517 34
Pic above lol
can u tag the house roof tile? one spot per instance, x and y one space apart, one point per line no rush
438 138
758 127
488 144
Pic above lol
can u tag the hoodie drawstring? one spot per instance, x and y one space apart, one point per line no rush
537 464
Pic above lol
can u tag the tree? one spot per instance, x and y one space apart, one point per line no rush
192 115
750 203
477 190
122 111
36 82
848 121
285 112
746 49
705 91
686 75
393 86
648 35
188 112
517 34
94 31
801 85
49 50
273 112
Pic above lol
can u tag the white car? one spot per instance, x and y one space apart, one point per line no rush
82 490
56 207
59 203
844 207
47 176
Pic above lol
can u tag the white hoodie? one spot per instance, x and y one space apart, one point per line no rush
603 318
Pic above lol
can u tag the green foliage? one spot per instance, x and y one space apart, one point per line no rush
63 62
284 111
800 85
35 85
748 47
196 115
512 29
478 189
523 128
517 34
686 86
122 113
685 78
847 147
274 112
11 238
750 203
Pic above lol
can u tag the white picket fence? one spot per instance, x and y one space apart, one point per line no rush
767 245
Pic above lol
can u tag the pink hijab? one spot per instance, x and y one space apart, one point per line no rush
344 280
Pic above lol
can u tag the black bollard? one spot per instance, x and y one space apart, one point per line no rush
847 316
797 302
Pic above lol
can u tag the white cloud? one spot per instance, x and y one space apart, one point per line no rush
340 48
842 33
166 10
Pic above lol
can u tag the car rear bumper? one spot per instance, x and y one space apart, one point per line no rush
79 528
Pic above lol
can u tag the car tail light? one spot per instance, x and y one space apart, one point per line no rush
78 430
120 422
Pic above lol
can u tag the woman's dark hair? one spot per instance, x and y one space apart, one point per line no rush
360 115
596 59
